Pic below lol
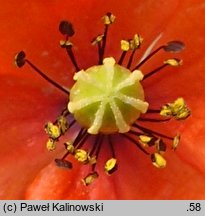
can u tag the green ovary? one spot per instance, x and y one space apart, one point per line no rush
107 98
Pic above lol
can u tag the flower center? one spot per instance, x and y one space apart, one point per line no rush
107 98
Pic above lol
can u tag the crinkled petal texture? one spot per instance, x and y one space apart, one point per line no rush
27 170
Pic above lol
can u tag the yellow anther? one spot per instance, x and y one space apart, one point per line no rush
145 139
158 160
51 145
178 109
52 130
173 62
125 45
81 155
69 146
108 19
136 42
63 124
166 111
90 178
97 39
176 141
110 165
65 43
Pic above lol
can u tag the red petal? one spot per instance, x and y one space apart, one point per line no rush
136 179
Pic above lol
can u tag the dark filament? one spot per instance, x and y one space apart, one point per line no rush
76 141
66 28
109 137
72 57
154 71
146 130
131 59
98 148
122 57
148 57
135 142
102 50
47 78
153 111
152 120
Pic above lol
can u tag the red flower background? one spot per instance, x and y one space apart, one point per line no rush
27 170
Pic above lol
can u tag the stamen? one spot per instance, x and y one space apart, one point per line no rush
82 140
81 156
172 46
171 62
93 175
20 60
52 130
98 148
131 59
154 71
109 18
62 124
176 141
158 160
135 142
66 28
51 144
125 46
95 145
148 57
109 137
74 143
69 147
111 164
68 46
106 99
178 109
72 123
153 111
90 178
78 142
63 163
97 41
122 57
146 140
153 120
160 146
135 44
146 130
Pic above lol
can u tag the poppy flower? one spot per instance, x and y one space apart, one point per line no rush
27 169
